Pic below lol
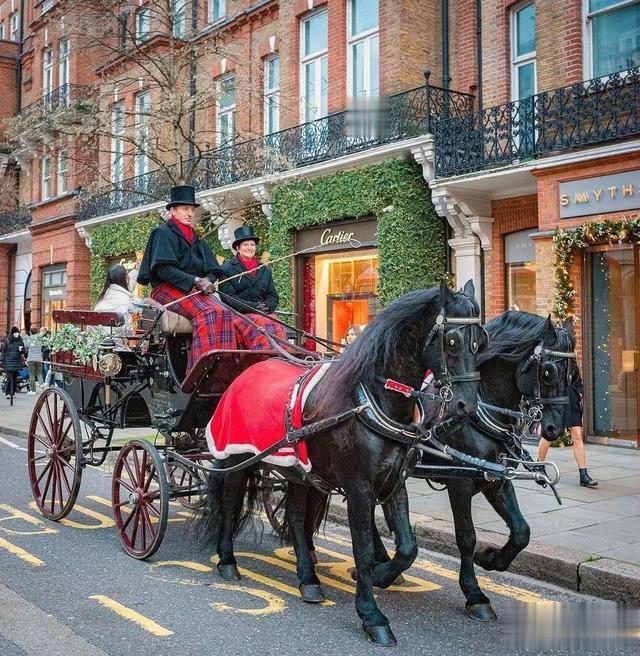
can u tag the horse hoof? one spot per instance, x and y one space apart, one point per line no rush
481 612
229 572
312 593
381 636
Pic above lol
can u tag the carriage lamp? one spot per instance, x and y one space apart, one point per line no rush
109 365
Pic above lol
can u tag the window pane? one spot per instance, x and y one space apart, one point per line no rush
521 287
324 86
272 114
273 73
364 15
310 91
595 5
217 9
227 92
616 40
315 33
374 66
526 30
357 53
526 80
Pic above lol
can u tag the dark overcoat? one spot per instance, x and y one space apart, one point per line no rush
249 289
13 354
169 257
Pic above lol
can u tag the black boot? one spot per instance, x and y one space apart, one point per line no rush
586 480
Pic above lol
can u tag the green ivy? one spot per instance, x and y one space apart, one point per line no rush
410 234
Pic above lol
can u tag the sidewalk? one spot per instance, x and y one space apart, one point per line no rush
591 543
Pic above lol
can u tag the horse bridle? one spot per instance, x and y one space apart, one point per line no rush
536 403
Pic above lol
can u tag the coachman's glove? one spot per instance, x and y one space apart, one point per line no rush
205 286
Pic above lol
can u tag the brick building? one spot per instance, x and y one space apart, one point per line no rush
527 121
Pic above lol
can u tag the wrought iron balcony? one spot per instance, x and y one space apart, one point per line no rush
408 114
575 116
14 220
73 97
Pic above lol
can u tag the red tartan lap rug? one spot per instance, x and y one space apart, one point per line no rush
252 413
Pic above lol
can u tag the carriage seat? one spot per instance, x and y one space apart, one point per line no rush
171 323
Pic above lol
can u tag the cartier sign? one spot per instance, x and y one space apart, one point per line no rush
606 193
338 236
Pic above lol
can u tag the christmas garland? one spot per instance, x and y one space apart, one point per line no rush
567 241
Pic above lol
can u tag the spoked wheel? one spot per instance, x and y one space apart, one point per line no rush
54 451
140 496
274 488
182 478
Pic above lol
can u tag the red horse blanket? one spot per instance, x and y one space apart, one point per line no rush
252 413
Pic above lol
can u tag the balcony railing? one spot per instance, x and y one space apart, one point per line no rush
583 114
408 114
77 97
14 221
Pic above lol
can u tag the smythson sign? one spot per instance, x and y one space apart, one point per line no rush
606 193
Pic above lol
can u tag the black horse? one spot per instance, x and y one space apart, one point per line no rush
529 362
401 343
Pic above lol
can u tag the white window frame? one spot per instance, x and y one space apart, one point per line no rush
587 34
47 74
271 94
117 143
64 49
221 5
317 56
63 171
226 110
45 177
179 8
518 61
14 27
141 160
352 40
143 24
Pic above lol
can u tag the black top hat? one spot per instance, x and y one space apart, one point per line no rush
244 233
183 195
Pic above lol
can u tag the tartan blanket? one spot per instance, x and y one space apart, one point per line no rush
252 413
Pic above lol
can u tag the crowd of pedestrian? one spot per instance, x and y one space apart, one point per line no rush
24 359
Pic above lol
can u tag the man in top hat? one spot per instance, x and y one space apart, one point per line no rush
177 262
250 285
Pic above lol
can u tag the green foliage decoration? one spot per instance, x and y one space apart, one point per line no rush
410 235
567 241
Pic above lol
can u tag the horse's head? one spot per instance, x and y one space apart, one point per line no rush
452 345
545 376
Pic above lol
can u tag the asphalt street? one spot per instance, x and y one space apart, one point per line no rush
69 588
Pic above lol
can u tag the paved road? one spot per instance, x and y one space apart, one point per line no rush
69 589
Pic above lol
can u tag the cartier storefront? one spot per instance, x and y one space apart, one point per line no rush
337 283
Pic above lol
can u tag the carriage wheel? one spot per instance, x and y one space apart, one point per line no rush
140 496
54 451
274 488
181 478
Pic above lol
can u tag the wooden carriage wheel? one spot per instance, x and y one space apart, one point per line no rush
274 488
54 452
140 497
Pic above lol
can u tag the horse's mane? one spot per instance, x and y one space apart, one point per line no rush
513 335
398 326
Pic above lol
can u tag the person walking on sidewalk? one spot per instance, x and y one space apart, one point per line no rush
573 421
13 354
34 359
46 355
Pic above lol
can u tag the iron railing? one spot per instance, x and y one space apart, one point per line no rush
406 115
14 220
71 96
574 116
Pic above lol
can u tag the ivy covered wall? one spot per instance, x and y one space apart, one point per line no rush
410 234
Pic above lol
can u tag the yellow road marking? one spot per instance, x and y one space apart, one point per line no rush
520 594
154 520
275 604
21 553
131 615
14 513
189 564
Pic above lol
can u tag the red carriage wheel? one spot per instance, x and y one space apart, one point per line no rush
274 488
140 496
54 451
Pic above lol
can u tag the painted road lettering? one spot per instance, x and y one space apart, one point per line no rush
13 514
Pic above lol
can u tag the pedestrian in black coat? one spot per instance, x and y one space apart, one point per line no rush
13 355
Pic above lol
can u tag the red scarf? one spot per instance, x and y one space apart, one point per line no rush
187 231
250 264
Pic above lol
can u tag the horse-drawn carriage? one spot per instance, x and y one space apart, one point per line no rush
134 381
362 410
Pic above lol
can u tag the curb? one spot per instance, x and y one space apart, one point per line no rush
605 578
14 432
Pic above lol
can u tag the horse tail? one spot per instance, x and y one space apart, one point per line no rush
241 491
316 512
